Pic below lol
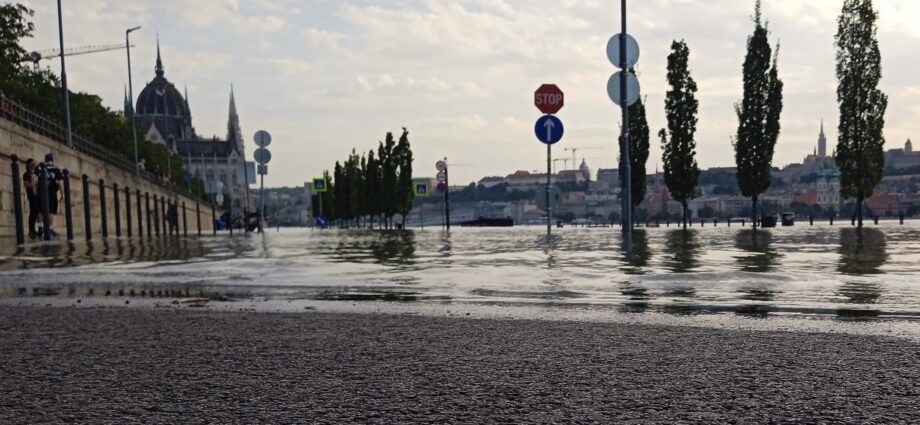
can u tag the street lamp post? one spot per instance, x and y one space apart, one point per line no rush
137 167
66 93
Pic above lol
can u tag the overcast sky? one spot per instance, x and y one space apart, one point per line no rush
326 76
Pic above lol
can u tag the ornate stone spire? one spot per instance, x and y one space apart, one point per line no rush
822 142
127 106
234 134
159 67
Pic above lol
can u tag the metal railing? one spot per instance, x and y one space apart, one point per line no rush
16 113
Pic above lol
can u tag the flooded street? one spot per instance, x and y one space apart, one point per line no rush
810 271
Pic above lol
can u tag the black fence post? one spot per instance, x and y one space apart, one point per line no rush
128 210
230 213
213 220
164 204
728 221
103 215
17 202
43 199
68 212
115 201
87 224
156 214
140 215
198 216
147 207
184 221
832 219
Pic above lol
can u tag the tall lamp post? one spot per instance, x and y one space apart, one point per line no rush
137 167
66 93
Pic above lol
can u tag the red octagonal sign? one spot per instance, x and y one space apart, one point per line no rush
548 99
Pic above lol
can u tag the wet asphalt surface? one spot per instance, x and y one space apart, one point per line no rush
189 366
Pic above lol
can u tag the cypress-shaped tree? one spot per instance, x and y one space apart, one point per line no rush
388 172
372 186
363 199
681 172
758 115
353 178
328 198
404 190
860 146
638 151
338 193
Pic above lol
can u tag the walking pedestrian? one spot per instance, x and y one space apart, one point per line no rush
30 181
55 190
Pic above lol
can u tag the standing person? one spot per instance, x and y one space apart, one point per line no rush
30 181
55 190
172 216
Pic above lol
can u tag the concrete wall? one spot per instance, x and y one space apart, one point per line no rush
25 143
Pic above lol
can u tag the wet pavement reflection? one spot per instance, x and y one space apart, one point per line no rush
811 271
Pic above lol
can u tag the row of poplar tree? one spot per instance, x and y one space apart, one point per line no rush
860 147
372 188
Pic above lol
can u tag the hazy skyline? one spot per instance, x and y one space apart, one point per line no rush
326 76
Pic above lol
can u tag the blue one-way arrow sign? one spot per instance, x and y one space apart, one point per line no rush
549 129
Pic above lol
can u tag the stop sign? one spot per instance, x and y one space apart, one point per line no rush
548 99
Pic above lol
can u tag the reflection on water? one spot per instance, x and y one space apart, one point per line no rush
639 258
818 270
862 251
682 250
391 247
760 256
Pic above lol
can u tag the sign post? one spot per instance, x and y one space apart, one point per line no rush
549 99
320 187
262 156
444 188
422 189
623 90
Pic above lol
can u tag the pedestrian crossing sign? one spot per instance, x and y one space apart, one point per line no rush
422 187
319 185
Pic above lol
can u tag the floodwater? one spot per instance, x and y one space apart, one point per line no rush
816 271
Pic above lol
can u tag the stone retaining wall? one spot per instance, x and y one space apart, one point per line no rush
19 140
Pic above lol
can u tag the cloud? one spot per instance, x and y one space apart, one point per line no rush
293 67
326 76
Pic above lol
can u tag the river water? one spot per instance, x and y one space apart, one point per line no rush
810 271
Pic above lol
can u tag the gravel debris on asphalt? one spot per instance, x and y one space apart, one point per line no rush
180 366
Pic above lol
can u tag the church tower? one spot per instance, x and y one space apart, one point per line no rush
234 134
822 142
908 147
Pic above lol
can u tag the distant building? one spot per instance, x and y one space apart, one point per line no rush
900 159
827 189
822 142
585 171
525 180
608 179
490 182
164 117
812 164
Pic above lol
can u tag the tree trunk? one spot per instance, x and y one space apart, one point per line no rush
859 212
686 213
754 211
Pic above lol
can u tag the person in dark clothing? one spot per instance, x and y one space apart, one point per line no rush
55 189
30 181
172 216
